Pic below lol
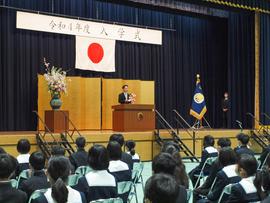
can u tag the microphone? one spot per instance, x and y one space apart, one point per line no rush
239 124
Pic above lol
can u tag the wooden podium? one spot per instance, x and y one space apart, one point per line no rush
133 117
56 121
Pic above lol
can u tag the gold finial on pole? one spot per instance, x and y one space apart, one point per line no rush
198 78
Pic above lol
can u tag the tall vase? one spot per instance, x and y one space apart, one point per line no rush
56 102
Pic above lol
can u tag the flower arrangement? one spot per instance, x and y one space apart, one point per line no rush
132 98
56 79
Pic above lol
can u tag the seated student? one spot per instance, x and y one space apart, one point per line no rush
242 148
216 166
226 176
58 151
165 163
58 172
125 157
161 188
262 183
208 151
38 179
130 145
99 183
79 158
245 190
180 170
8 194
118 168
23 147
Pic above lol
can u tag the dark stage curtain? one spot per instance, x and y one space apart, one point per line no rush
241 65
198 45
265 67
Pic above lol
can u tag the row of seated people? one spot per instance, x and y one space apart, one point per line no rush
237 166
108 167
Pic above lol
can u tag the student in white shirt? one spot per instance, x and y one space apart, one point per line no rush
58 173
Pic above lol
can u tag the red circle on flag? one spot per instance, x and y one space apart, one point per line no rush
95 52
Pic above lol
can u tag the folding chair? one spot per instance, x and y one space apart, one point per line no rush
73 179
139 168
209 161
124 188
264 162
227 190
36 194
83 170
14 183
111 200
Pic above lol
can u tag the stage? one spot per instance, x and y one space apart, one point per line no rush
146 145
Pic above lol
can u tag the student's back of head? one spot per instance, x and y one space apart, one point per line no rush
114 149
227 156
130 144
247 165
23 146
164 163
243 139
161 188
58 172
224 142
37 161
8 166
118 138
98 157
80 142
208 141
58 151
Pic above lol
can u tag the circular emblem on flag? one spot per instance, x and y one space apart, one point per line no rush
198 98
95 52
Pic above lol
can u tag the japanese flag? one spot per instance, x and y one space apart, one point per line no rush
95 54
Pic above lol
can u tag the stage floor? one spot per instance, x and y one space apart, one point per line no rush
146 145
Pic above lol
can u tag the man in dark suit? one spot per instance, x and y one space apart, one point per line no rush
8 194
225 110
123 98
80 157
38 179
127 158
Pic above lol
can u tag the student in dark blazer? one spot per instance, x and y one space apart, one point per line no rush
242 148
123 98
58 173
226 176
245 191
215 168
8 194
38 179
99 183
80 157
208 151
118 168
125 157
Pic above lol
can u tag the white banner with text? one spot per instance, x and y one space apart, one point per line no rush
69 26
